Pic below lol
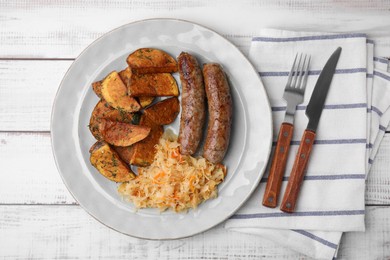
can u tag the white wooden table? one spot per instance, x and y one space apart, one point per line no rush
39 40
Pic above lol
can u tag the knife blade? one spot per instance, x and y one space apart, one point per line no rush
313 112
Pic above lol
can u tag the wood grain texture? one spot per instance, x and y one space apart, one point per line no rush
68 232
278 166
36 180
291 194
29 174
28 30
27 91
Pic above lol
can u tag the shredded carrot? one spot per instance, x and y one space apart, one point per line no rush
158 176
175 153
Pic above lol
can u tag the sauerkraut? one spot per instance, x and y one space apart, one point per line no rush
173 181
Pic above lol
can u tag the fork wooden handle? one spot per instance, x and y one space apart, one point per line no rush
298 172
278 166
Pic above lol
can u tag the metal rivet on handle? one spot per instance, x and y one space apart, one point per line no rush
270 199
281 149
302 155
307 140
288 205
285 134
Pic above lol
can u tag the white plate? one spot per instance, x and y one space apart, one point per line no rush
248 152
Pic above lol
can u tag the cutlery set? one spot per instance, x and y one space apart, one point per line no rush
293 95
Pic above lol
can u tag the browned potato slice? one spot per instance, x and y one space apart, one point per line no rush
125 75
145 101
104 111
114 91
145 150
163 112
108 163
122 134
125 152
149 60
97 88
147 85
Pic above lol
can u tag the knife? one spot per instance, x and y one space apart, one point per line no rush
313 112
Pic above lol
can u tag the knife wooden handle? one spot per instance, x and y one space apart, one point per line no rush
278 166
297 173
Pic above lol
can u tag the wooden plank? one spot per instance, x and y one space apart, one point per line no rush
27 91
28 166
27 29
67 232
28 172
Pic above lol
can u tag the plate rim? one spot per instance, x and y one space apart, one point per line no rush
261 171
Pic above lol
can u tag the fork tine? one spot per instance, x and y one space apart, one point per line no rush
291 72
301 71
306 74
296 73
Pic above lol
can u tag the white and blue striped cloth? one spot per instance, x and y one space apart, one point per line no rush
352 125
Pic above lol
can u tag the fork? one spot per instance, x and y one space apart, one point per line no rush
293 95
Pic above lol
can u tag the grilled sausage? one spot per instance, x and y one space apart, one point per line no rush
220 112
193 104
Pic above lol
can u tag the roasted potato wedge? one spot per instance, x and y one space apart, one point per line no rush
108 163
149 60
163 112
145 101
125 152
122 134
125 75
144 151
97 88
152 85
103 110
114 91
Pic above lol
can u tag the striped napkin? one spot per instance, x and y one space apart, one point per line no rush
350 130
